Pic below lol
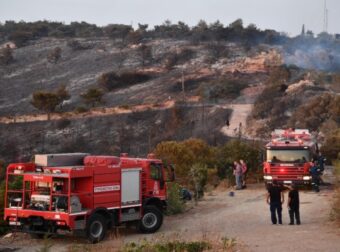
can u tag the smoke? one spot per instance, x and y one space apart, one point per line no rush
318 56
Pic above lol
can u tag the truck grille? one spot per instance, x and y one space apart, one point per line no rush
287 173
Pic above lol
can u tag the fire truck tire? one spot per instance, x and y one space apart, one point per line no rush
96 228
151 220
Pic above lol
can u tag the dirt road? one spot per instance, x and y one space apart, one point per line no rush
238 119
244 217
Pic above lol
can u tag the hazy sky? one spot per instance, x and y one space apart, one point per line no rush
281 15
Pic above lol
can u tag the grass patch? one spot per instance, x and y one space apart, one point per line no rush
168 246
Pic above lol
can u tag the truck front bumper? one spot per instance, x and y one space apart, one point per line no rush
301 180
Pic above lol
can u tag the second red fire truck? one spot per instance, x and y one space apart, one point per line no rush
288 157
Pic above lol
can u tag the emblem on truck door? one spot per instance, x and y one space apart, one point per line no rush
155 188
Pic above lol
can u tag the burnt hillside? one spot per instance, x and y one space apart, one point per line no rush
201 70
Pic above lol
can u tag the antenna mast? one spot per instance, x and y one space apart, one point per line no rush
325 17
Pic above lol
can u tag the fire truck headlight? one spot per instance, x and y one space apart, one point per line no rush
268 177
306 177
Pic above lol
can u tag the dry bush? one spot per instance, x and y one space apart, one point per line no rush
111 80
316 112
75 45
225 89
6 56
171 59
54 55
331 147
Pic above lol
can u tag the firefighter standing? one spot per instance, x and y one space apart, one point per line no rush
275 199
315 172
294 205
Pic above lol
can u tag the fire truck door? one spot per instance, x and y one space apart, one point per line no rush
156 174
131 187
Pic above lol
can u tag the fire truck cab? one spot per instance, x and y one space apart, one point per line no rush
79 192
288 157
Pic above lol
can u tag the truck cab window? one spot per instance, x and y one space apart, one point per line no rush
155 171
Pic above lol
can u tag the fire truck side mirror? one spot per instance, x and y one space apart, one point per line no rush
170 173
262 156
161 183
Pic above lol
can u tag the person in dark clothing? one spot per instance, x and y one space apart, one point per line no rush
275 199
315 172
321 162
294 205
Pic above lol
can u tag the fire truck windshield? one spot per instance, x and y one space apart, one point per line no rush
278 156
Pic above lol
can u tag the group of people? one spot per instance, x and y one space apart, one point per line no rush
240 173
275 198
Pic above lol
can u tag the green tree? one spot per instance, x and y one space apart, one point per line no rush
118 31
172 152
45 101
175 203
184 154
200 149
198 175
48 101
93 96
145 54
142 27
236 150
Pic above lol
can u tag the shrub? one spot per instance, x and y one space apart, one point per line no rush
172 59
20 38
173 246
317 111
145 53
92 96
62 124
236 150
226 89
175 203
125 106
111 80
80 110
331 147
184 154
75 45
198 175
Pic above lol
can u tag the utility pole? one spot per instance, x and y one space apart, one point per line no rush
183 86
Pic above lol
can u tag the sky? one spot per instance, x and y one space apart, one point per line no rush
281 15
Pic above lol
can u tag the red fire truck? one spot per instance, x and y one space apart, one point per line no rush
79 192
288 157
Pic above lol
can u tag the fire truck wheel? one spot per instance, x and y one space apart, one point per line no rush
96 228
151 220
